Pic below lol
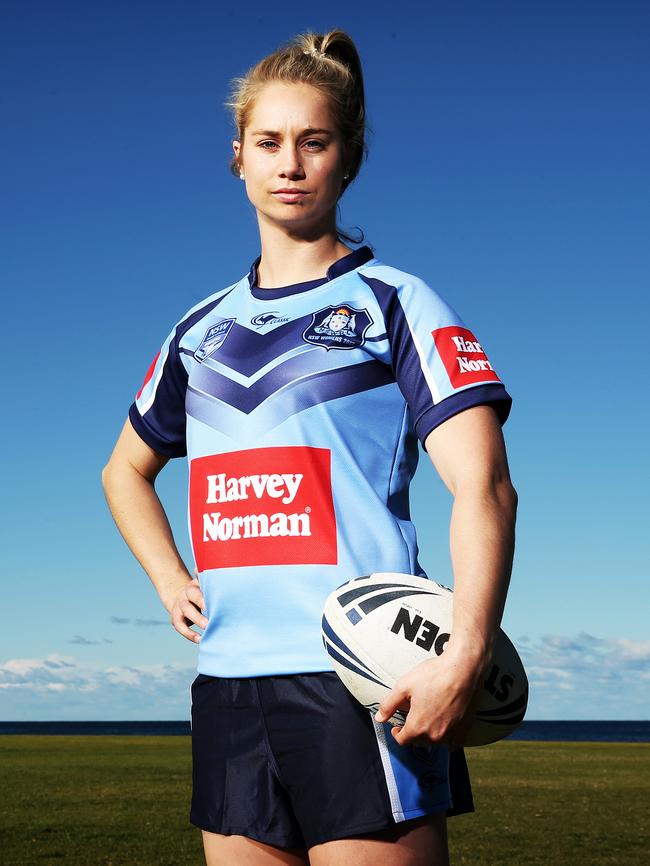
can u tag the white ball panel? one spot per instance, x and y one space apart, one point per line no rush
382 625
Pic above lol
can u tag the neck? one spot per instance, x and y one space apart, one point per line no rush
288 259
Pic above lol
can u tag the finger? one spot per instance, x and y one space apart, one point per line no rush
415 732
405 734
406 737
192 614
390 703
193 592
422 742
185 631
406 740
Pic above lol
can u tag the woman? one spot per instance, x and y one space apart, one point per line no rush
299 394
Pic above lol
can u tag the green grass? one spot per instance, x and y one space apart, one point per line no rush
584 804
124 801
96 801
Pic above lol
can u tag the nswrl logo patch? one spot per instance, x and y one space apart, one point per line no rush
214 337
338 326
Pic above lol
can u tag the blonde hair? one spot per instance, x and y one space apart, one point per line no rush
329 62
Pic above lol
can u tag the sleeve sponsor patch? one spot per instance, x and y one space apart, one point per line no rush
263 506
463 356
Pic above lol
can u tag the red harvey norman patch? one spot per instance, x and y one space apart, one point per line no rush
263 506
463 356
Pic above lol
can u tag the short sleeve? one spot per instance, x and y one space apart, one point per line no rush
438 362
158 411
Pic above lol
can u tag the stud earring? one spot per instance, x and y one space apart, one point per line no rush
241 175
346 176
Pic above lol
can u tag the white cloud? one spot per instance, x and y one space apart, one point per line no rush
123 620
541 673
571 677
637 650
62 687
584 676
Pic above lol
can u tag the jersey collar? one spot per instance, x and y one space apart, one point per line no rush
348 263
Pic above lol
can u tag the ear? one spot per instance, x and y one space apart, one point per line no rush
236 146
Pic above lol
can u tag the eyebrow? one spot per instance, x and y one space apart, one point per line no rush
312 130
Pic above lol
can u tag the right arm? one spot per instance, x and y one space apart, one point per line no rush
128 480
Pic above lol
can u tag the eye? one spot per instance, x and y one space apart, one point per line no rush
319 144
262 143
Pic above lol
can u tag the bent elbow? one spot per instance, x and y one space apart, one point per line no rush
106 475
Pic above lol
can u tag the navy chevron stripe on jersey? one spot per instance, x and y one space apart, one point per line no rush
246 351
300 410
319 385
294 398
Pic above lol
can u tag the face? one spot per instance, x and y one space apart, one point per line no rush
291 143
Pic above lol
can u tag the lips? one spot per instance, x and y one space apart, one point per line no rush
289 196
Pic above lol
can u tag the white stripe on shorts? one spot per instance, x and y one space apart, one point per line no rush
393 792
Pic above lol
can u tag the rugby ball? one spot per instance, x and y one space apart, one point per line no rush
378 627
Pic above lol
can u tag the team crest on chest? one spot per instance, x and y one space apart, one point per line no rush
214 337
339 326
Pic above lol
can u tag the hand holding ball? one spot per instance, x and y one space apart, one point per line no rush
376 628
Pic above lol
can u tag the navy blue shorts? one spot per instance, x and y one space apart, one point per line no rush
295 760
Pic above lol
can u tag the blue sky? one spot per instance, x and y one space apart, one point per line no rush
508 168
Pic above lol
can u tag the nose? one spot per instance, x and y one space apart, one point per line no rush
291 165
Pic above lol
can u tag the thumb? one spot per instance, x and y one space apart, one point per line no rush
390 703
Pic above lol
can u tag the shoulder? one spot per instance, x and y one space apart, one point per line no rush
198 311
394 286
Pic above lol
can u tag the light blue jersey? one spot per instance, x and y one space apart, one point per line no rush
300 411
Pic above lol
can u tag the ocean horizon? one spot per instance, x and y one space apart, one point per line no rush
594 731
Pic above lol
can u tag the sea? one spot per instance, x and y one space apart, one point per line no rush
562 731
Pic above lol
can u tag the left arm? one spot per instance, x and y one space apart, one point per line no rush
468 452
